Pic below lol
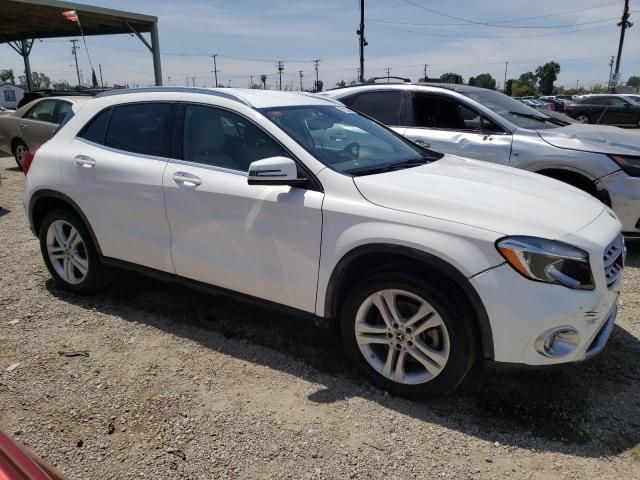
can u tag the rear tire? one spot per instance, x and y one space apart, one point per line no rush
582 118
421 346
69 253
19 149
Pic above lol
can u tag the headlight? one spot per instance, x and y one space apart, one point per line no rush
630 165
548 261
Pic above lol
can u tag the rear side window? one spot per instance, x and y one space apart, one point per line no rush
141 128
96 130
383 106
63 109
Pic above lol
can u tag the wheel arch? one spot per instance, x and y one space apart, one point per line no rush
357 262
43 201
577 179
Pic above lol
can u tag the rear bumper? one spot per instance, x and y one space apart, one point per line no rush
624 191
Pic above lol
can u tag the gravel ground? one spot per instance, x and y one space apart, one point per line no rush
179 384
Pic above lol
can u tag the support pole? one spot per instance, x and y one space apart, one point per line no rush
26 50
624 24
155 51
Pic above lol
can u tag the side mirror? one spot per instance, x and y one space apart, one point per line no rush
274 171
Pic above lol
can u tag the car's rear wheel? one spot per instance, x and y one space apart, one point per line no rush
70 254
19 151
582 118
407 335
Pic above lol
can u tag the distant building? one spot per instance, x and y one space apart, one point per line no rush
10 95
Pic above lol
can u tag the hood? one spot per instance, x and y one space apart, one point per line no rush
593 138
492 197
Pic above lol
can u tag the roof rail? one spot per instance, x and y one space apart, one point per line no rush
205 91
374 79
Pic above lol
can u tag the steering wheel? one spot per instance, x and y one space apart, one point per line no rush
353 150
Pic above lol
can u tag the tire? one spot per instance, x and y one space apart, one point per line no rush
446 331
582 118
73 263
19 149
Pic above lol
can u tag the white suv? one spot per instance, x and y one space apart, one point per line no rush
425 262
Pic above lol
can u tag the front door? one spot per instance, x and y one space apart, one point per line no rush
447 126
262 241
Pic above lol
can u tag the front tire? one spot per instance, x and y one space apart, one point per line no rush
407 335
582 118
69 253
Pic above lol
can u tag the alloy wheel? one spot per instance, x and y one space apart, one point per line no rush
67 252
402 336
582 119
21 150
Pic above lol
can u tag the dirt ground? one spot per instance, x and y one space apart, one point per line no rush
180 384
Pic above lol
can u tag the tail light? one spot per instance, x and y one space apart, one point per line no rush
568 107
27 160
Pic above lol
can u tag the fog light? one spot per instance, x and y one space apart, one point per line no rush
558 342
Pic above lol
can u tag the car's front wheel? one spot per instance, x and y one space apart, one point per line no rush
409 336
69 253
582 118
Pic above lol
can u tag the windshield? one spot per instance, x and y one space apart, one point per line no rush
513 110
347 141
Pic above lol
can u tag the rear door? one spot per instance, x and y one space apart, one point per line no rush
113 170
38 124
384 106
446 125
622 112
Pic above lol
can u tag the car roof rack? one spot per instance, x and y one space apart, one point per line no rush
375 79
205 91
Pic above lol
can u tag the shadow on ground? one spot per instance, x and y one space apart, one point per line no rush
589 409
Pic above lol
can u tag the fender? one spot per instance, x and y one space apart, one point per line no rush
45 193
486 335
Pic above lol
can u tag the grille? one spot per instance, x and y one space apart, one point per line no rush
613 259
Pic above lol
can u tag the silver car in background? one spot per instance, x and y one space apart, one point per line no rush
487 125
33 124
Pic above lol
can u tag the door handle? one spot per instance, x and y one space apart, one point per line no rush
186 179
84 161
422 143
23 125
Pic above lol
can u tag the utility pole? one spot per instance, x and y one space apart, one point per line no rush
215 69
315 63
425 72
388 74
300 72
251 81
193 80
280 69
577 83
74 50
506 65
623 24
611 83
362 41
101 82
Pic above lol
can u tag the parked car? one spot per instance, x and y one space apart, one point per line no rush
488 125
33 124
424 261
4 110
605 109
16 463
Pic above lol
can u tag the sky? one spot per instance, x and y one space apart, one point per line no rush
250 36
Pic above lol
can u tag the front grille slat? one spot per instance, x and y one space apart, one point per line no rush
613 260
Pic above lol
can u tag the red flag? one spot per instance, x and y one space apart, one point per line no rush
71 15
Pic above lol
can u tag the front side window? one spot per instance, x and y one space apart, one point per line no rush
345 140
220 138
383 106
42 111
141 128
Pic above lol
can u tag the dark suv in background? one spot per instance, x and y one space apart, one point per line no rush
606 110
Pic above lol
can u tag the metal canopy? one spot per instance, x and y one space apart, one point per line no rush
22 21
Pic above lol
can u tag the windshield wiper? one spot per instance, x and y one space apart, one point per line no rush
531 115
392 166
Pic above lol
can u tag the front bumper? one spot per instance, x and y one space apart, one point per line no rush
624 192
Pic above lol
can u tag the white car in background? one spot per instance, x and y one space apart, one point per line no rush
424 262
478 123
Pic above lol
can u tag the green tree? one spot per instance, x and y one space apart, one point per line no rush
520 89
528 78
7 76
263 79
508 88
341 83
472 81
547 74
484 80
451 77
634 81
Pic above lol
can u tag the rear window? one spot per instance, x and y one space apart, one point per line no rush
141 128
383 106
96 130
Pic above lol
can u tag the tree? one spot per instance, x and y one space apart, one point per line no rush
508 88
472 81
634 81
520 89
341 83
546 75
451 78
484 80
61 85
40 80
319 84
7 76
263 79
528 78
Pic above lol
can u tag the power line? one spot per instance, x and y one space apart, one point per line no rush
472 22
534 27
